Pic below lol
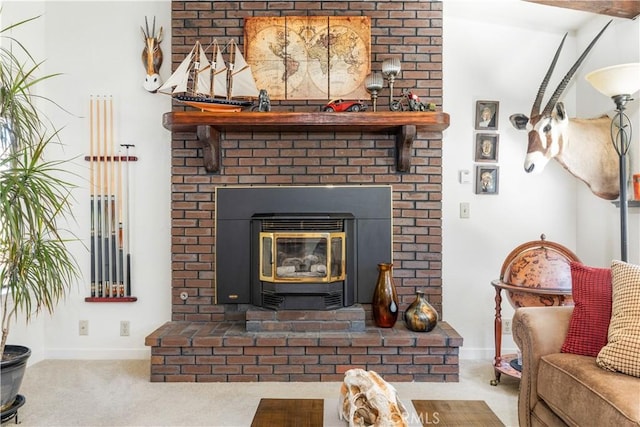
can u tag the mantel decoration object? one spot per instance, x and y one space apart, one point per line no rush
390 70
373 83
420 316
385 299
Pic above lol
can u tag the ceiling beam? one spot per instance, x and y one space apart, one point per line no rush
619 8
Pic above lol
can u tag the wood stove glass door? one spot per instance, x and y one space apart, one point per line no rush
302 257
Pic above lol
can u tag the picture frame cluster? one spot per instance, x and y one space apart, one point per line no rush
486 147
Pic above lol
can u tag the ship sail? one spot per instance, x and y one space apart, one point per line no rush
180 78
219 74
202 70
242 82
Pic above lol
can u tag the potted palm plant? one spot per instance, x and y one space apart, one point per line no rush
36 267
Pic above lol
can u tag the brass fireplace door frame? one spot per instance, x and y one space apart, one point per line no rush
268 242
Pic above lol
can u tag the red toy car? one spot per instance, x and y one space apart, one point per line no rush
338 105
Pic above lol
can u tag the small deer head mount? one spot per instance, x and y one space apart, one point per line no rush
152 56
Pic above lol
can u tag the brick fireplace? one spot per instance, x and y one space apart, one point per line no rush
212 338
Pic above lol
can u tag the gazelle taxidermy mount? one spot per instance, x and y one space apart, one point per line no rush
152 56
582 146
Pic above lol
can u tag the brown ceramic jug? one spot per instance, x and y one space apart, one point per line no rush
385 300
420 316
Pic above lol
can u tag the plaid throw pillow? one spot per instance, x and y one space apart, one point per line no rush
622 352
591 291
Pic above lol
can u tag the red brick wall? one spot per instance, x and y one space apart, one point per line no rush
410 30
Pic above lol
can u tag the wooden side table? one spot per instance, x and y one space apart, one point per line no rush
502 362
536 273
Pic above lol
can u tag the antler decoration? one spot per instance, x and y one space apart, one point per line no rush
565 81
535 110
152 55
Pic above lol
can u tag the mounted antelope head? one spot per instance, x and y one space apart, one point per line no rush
582 146
152 56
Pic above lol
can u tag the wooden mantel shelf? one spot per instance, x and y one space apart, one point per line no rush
208 127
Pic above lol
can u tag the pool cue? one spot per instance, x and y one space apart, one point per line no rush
98 160
114 209
93 201
120 258
107 231
127 275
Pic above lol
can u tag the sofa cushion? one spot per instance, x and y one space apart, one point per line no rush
581 393
591 291
622 352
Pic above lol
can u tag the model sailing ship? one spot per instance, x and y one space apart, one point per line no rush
213 86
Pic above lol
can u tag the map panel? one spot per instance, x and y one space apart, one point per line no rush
309 57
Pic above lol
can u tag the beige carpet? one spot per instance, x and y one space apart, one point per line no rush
118 393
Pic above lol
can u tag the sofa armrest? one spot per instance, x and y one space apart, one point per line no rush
537 331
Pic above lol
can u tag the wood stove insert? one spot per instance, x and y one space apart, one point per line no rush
362 213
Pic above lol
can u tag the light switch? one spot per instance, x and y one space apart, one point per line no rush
464 176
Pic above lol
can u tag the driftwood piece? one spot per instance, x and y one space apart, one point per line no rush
368 400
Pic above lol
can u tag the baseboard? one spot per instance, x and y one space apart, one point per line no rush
483 353
98 353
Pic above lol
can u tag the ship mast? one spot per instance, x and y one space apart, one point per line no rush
232 60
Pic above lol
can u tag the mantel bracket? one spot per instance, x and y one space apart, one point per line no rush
209 137
404 145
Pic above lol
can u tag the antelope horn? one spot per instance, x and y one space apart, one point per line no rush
565 81
535 110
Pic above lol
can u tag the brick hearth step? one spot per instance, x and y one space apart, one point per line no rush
226 351
347 319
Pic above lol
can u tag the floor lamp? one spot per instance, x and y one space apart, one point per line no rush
619 82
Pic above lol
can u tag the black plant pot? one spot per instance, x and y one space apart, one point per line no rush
12 368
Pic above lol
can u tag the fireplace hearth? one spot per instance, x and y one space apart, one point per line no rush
216 333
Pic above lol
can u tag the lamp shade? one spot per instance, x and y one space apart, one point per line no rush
623 79
391 67
373 82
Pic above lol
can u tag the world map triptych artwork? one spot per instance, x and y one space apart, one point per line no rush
309 57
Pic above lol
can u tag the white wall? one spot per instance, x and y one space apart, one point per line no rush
482 60
491 60
97 47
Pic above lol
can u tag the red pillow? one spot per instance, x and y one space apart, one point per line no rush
592 291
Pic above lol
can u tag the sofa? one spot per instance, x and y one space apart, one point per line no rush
559 389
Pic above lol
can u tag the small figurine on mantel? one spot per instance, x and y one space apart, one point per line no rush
264 102
410 101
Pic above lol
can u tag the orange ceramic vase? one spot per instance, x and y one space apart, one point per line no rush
385 299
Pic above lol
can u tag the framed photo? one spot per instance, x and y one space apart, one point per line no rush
487 147
487 115
487 179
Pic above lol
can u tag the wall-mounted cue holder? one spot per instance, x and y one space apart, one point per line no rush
110 208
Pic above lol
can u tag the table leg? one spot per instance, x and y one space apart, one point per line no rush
497 335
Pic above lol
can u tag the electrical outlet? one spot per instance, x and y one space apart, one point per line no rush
465 210
83 327
124 328
506 326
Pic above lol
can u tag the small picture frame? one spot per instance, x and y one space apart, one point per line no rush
487 115
487 147
487 179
